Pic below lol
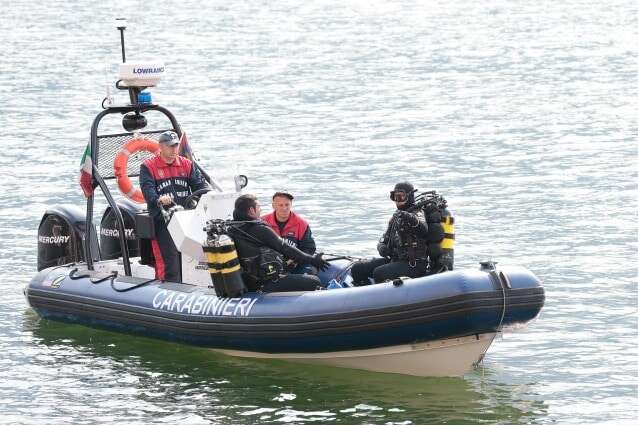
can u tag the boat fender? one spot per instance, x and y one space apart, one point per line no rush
120 166
224 267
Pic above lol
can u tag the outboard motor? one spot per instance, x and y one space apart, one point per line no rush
60 236
110 235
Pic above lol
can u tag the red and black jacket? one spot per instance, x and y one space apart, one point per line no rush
296 231
179 178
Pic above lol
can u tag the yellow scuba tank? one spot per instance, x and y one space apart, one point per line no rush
223 263
447 244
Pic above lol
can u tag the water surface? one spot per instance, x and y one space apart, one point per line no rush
521 114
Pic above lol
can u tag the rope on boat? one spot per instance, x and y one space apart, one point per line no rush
130 288
73 276
499 328
341 257
111 277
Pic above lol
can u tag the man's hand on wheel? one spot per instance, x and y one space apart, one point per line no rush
166 199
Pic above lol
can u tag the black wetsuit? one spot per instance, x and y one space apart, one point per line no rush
403 249
257 244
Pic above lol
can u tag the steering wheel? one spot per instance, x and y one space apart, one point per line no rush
193 199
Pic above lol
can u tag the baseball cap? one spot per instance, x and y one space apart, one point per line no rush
283 193
168 138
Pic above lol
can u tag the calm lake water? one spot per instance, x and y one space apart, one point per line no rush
522 114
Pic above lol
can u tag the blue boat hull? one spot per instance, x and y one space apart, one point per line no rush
451 304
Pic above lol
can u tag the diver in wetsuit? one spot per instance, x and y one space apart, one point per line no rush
403 246
261 253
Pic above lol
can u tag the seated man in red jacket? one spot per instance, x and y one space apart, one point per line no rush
293 229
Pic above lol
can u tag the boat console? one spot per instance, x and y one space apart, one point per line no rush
121 242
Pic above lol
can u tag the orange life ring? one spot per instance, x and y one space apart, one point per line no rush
120 166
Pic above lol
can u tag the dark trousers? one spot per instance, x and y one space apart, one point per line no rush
167 259
292 282
382 269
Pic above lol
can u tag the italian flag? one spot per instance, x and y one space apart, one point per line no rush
185 148
86 172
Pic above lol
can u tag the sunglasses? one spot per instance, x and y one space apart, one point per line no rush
398 196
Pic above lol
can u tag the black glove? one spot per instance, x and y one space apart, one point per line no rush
318 262
406 218
384 250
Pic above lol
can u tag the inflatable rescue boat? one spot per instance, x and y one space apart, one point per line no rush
103 276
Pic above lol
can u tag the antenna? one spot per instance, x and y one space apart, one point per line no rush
136 77
120 23
121 26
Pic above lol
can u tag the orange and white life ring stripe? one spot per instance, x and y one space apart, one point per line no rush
120 166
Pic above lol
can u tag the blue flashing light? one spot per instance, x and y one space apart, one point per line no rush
144 97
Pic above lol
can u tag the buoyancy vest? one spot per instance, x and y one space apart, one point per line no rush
404 243
437 245
293 231
259 262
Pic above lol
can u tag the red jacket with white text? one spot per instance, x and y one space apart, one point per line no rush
295 231
157 178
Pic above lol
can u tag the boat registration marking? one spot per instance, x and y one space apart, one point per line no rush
204 305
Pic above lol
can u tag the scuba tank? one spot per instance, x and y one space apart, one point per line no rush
223 262
440 230
447 244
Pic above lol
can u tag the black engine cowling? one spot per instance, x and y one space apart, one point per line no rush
60 236
110 236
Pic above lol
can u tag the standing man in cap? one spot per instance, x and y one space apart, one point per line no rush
403 246
292 228
167 179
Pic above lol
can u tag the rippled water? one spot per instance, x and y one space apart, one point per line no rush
521 113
